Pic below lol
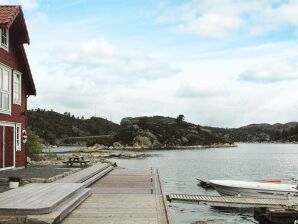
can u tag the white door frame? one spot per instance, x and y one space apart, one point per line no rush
8 124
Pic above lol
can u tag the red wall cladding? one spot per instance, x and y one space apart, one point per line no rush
13 59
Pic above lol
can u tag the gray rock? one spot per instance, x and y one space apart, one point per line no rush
149 134
117 145
142 141
184 140
194 132
156 144
126 122
136 127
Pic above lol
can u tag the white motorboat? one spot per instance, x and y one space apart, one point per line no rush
255 189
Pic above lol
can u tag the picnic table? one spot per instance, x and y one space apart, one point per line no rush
76 160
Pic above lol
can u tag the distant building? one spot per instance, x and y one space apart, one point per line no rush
16 84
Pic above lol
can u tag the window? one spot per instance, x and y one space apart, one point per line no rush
4 38
18 137
17 83
5 92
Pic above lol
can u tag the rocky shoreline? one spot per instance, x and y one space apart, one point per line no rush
269 142
101 153
118 146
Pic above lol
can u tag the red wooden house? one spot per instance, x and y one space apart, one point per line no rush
16 84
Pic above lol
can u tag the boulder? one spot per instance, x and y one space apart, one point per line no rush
98 146
194 132
136 127
184 140
117 145
156 144
142 141
149 134
128 122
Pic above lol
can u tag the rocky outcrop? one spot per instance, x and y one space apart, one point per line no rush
142 142
164 132
117 145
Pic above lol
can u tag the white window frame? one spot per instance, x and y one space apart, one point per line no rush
18 137
5 47
19 102
3 67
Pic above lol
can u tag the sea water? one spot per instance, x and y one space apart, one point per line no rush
180 168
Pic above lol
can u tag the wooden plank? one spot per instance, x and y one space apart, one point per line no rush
84 174
97 176
117 190
61 211
116 208
230 201
36 198
123 196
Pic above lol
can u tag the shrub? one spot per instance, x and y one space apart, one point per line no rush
34 145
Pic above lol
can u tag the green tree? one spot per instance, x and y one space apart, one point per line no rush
34 145
180 118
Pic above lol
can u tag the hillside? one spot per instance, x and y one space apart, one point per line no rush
287 132
54 127
161 131
157 131
149 132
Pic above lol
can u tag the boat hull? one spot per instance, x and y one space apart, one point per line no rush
255 193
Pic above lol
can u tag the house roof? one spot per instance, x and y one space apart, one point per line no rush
8 15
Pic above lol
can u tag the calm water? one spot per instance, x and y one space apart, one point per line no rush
180 168
62 149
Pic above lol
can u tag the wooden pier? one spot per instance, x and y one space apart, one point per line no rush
229 201
124 196
113 195
266 211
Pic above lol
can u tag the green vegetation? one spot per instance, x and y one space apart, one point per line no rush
149 132
261 133
34 145
157 131
180 118
166 132
56 128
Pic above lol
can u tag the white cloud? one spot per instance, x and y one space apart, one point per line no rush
29 4
271 72
98 73
26 4
201 90
221 18
99 58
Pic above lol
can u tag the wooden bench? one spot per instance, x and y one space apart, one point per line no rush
76 160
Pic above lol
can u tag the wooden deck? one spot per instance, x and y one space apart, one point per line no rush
85 174
49 202
115 196
228 201
123 196
36 198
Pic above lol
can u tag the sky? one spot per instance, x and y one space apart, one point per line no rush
224 63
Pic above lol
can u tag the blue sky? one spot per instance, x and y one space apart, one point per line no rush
222 63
